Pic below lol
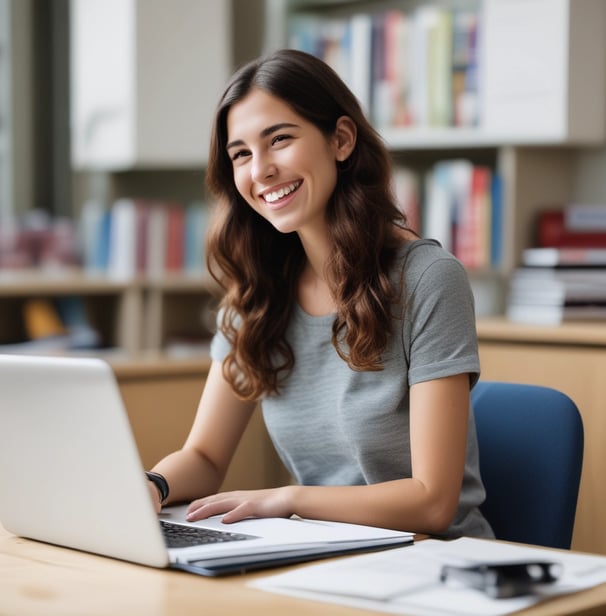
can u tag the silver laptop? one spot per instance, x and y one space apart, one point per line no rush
70 474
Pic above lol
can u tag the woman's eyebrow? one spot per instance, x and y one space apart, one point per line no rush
264 133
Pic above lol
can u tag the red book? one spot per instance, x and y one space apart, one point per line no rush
552 232
472 234
175 231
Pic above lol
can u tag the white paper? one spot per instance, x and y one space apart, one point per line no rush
407 580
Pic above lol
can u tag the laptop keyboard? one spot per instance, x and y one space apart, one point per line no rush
181 536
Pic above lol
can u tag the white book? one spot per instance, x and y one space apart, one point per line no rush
122 240
437 211
156 241
361 32
554 314
564 257
585 217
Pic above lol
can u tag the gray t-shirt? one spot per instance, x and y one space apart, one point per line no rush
332 425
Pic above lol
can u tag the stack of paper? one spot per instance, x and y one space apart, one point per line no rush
407 580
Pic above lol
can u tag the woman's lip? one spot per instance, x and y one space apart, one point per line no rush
281 202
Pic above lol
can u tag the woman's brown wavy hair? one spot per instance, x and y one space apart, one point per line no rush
258 267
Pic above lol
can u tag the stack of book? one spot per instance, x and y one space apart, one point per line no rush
564 277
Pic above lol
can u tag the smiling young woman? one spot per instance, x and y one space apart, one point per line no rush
357 336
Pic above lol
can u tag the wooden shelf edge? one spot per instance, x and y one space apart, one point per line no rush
572 333
159 365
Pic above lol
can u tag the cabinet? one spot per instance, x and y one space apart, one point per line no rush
145 78
570 358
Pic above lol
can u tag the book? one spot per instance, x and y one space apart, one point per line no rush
551 295
554 230
558 292
196 223
422 18
406 192
439 67
41 319
438 212
175 237
473 223
465 90
496 220
398 69
585 217
81 334
156 241
559 257
122 247
555 314
142 214
361 41
93 235
380 104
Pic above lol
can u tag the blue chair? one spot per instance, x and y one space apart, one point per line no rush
531 453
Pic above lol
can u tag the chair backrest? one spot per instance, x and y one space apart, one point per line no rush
530 441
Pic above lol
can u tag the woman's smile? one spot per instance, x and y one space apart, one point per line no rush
275 196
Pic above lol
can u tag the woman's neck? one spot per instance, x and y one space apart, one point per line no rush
313 290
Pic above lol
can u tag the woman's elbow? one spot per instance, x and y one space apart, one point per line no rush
439 514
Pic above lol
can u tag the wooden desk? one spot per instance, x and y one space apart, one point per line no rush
38 579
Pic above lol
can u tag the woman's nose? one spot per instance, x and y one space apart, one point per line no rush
263 168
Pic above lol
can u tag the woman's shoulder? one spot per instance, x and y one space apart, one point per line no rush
419 258
423 250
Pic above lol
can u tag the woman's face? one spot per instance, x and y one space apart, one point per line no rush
283 165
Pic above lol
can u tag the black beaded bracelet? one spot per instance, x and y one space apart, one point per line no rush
160 482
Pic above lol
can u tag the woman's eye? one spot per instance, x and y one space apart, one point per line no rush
279 138
239 154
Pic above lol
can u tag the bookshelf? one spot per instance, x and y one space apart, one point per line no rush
135 318
537 104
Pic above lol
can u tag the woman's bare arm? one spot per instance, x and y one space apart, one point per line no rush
427 502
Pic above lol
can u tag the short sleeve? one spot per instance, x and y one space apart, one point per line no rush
440 318
219 345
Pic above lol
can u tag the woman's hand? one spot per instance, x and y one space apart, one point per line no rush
271 503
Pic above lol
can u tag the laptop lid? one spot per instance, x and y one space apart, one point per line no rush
70 474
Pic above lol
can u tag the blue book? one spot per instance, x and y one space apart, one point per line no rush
196 223
496 221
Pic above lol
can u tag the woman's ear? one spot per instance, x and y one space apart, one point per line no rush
345 135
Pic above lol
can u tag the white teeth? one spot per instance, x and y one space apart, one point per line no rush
278 194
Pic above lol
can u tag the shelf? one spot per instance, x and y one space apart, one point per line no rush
57 282
427 138
146 366
572 333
